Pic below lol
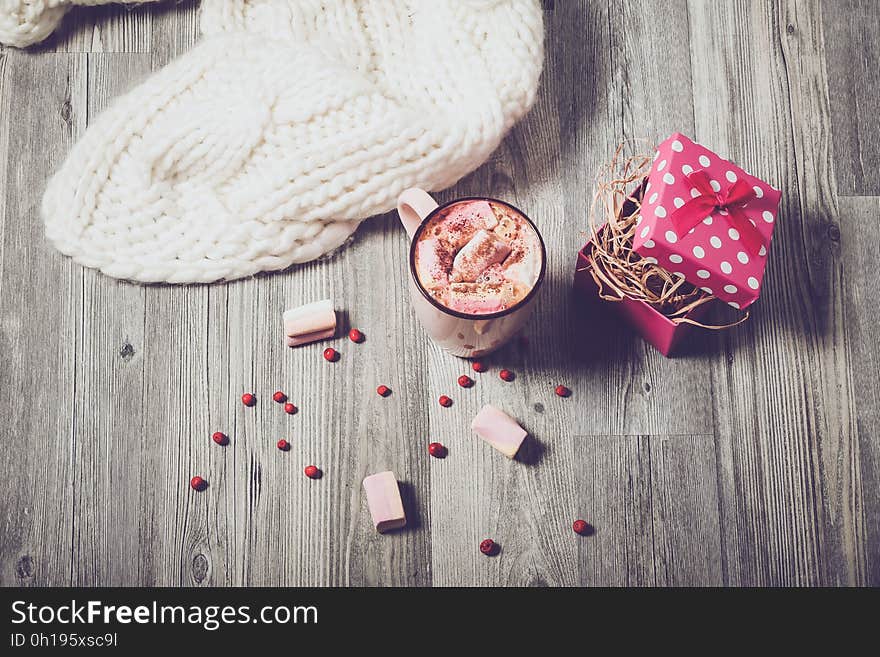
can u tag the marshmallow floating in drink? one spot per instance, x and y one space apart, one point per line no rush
463 220
479 298
482 251
311 322
499 430
383 499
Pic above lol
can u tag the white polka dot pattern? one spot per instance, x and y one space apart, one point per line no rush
714 249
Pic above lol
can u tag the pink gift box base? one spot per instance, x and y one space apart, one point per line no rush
657 329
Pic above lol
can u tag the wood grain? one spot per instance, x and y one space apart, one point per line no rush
860 220
754 459
41 312
852 55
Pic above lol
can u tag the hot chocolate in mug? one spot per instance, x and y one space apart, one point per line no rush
472 327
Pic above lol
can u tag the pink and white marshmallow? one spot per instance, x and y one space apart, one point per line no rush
308 323
383 499
499 430
482 251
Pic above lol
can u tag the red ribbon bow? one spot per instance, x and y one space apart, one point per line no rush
732 200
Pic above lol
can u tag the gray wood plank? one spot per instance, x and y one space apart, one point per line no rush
174 30
783 400
5 100
858 512
39 315
377 434
852 62
108 488
106 28
686 517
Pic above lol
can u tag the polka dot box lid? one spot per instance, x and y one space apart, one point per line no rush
712 254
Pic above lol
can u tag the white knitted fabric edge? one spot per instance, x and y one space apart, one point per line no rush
260 149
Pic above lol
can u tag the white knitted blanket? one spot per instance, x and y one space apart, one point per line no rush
291 122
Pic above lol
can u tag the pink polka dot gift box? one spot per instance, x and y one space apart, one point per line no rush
704 218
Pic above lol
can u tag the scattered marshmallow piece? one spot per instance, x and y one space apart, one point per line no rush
383 498
482 251
308 323
499 430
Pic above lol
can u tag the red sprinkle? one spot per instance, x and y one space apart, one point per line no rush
562 391
248 399
331 355
283 445
465 381
279 396
506 375
355 336
219 437
437 450
489 547
445 401
383 391
581 527
479 366
312 472
197 483
289 408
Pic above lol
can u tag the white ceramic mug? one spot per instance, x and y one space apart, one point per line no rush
461 334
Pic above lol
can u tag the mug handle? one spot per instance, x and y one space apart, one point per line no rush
413 205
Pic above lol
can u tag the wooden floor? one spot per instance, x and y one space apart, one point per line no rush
752 460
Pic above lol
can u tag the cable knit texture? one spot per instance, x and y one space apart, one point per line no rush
290 123
26 22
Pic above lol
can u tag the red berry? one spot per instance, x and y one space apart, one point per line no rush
437 450
489 547
283 445
312 472
445 401
506 375
331 355
562 391
479 366
219 437
465 381
198 483
355 336
248 399
289 408
383 391
581 527
279 396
